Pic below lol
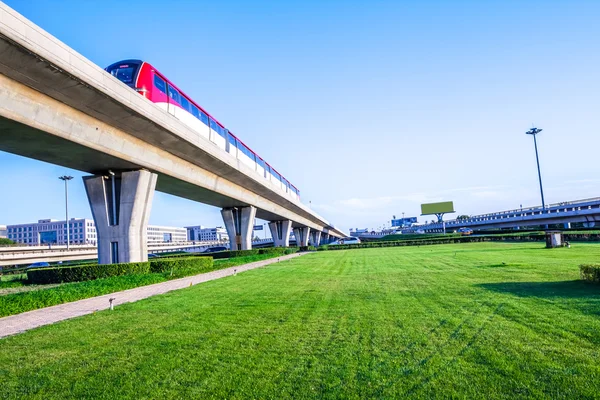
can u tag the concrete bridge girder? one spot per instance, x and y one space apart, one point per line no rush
239 222
315 238
121 210
302 236
280 232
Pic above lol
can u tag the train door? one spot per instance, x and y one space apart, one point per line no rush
171 95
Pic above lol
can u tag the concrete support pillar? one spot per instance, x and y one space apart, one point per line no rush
280 231
324 238
121 206
315 238
239 223
302 235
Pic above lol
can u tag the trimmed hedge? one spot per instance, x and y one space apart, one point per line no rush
85 272
278 251
590 272
308 248
234 253
440 239
275 251
180 263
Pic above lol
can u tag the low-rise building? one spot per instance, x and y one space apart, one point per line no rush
3 232
166 234
201 234
51 231
81 231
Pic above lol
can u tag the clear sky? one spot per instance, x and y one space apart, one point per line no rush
369 108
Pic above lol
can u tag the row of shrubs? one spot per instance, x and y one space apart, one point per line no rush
274 251
175 264
590 272
366 245
533 237
96 271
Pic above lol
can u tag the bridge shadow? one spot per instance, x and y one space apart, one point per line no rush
575 289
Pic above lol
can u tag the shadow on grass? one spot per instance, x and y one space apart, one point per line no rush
500 265
565 289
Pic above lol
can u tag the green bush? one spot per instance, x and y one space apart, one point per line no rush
85 272
278 251
180 263
308 248
175 254
590 272
234 253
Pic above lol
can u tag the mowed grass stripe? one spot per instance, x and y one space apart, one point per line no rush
475 320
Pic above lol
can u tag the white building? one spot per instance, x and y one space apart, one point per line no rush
51 231
201 234
166 234
3 232
81 231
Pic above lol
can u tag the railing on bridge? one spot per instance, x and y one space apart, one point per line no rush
529 214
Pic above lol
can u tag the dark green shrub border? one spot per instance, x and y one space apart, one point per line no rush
278 251
180 263
234 253
590 272
85 272
308 248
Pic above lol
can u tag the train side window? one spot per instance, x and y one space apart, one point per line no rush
204 118
216 127
174 94
232 141
160 84
185 104
195 112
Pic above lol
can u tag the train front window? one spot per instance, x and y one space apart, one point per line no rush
125 73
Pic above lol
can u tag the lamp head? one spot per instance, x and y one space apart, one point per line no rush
533 131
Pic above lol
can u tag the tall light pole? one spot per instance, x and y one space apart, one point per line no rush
66 179
533 132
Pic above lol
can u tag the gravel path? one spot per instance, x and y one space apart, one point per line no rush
14 324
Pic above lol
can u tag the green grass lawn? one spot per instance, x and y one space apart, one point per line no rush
481 320
18 296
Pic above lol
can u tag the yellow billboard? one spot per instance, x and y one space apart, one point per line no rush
437 208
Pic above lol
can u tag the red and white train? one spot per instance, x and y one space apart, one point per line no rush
154 86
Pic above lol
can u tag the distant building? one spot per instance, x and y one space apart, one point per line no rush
358 232
81 231
51 231
200 233
3 232
403 222
166 234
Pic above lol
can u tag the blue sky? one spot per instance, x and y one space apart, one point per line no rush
368 108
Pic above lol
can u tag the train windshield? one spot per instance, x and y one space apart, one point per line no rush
125 72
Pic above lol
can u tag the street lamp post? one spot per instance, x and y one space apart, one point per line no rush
533 132
66 179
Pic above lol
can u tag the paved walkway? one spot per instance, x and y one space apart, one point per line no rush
32 319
